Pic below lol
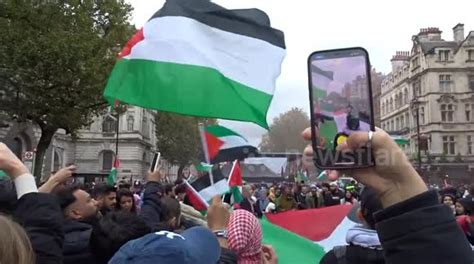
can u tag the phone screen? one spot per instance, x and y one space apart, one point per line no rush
155 162
340 101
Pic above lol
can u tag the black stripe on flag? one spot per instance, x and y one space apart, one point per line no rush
238 153
249 22
204 181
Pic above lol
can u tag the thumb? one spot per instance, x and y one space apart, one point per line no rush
216 200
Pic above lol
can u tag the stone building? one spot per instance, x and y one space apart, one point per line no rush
93 151
437 78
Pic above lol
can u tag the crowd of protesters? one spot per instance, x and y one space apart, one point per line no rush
59 222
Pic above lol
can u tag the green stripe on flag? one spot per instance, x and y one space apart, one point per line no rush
185 89
319 93
3 174
236 194
203 167
220 131
290 247
112 177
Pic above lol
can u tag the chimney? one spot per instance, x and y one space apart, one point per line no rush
458 32
431 33
399 59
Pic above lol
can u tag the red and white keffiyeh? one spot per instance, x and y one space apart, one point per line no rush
245 237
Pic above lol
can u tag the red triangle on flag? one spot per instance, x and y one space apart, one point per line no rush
137 37
196 200
236 176
214 145
116 162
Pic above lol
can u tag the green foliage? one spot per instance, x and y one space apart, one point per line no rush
284 134
55 57
178 137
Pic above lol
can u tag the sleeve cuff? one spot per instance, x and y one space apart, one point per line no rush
422 200
24 184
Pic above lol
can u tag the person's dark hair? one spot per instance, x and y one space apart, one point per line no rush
168 189
66 196
448 195
113 231
169 208
181 188
369 204
125 193
466 203
101 190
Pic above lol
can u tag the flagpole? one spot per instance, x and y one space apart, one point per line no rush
230 175
206 151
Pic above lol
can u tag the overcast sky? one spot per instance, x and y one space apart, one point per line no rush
382 27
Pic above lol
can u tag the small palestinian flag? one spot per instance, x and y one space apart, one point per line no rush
236 182
201 191
198 58
112 177
321 80
223 145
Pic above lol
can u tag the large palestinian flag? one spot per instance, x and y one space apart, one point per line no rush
198 58
223 144
304 236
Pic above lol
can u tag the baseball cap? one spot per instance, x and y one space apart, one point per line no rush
194 245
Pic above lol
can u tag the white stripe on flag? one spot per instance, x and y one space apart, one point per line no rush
250 61
233 142
338 236
218 188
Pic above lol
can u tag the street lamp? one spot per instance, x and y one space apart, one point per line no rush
415 104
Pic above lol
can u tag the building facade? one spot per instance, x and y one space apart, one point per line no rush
432 87
94 150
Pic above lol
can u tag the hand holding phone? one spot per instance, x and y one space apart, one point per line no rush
341 103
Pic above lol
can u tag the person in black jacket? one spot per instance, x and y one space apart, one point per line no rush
38 213
363 242
106 197
117 228
80 211
413 227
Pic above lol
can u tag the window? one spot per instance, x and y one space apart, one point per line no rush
470 55
471 82
405 96
130 123
449 146
468 111
397 123
109 125
445 83
383 126
422 115
383 108
402 122
469 145
415 62
447 112
107 159
392 126
416 88
391 104
407 118
146 130
443 55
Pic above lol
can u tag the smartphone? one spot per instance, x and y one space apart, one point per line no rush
155 162
340 103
